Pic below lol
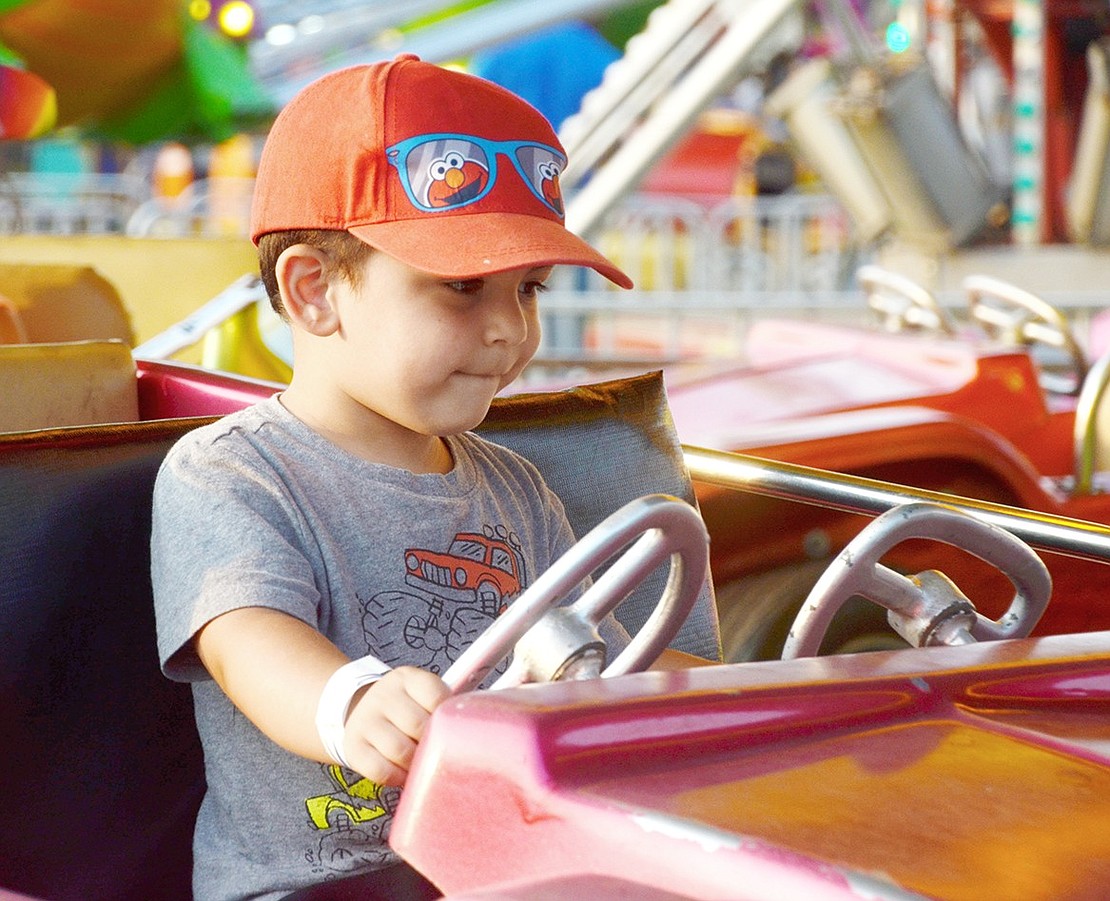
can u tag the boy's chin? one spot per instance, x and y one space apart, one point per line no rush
461 428
460 423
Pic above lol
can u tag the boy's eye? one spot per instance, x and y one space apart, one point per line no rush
533 289
466 286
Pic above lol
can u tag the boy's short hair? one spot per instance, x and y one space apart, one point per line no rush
447 172
345 256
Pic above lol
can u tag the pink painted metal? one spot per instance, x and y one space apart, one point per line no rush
797 370
957 773
171 390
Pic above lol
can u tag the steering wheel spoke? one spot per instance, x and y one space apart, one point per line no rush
563 641
902 304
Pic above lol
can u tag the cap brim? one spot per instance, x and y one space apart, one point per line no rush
468 246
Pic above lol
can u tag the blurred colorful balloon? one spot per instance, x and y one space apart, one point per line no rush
101 56
28 105
134 71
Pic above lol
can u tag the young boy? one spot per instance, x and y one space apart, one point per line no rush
407 217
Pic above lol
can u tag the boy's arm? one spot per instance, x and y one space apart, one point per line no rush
274 667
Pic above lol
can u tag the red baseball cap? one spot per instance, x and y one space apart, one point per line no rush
445 171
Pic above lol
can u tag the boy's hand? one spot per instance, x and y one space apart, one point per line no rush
387 721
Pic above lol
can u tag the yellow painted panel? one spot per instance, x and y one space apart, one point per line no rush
70 383
60 302
161 281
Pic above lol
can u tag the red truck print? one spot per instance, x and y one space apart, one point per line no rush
474 568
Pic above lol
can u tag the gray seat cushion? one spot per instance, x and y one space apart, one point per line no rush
616 442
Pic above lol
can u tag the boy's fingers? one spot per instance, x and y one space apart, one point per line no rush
377 748
405 696
405 714
369 763
391 743
425 688
388 720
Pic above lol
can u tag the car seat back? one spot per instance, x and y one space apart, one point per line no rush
103 770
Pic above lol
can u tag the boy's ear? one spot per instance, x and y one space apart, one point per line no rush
302 279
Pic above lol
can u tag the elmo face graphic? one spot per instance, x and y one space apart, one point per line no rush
549 186
455 180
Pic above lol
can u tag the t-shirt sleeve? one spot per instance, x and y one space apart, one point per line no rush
223 537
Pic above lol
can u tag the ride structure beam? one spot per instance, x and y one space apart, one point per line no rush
743 24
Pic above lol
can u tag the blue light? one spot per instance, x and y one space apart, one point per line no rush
897 37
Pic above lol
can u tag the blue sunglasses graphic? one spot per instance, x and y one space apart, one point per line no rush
449 171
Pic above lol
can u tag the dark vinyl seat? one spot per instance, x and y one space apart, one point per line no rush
102 769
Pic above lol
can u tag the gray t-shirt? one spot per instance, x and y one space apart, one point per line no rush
259 510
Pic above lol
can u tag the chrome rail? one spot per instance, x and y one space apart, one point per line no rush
854 494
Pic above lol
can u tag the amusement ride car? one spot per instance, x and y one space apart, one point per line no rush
907 773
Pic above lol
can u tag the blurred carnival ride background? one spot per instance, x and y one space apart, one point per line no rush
739 157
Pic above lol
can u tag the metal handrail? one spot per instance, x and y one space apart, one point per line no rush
245 291
855 494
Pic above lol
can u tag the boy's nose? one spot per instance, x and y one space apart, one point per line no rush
506 321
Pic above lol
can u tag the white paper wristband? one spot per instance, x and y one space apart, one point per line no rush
335 701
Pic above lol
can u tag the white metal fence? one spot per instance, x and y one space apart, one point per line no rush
207 207
701 269
701 273
68 204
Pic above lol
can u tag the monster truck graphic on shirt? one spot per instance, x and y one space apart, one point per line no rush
468 586
350 823
475 568
449 598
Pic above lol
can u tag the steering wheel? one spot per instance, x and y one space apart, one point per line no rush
1016 317
926 609
902 304
554 642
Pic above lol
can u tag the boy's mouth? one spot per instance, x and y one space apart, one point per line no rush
484 376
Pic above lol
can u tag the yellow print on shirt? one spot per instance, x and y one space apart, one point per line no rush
354 802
